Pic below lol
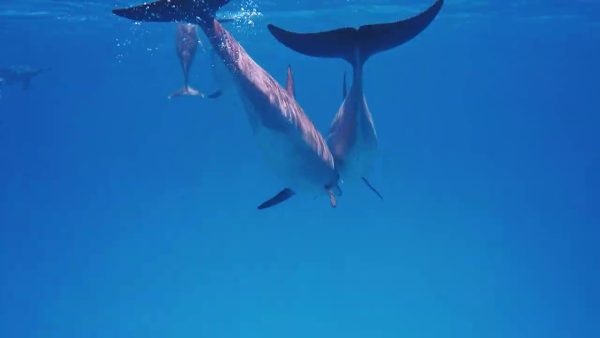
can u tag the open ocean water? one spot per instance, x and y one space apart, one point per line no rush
125 214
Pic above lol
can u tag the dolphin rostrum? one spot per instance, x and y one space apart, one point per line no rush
16 75
352 137
290 141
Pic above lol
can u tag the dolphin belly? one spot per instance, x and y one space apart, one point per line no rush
285 149
353 139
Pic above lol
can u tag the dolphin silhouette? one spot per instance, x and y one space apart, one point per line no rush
352 137
290 141
21 74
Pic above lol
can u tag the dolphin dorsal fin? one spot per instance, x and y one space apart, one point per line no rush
344 88
289 85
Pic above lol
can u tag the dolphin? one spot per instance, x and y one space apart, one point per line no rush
288 138
22 75
352 137
186 43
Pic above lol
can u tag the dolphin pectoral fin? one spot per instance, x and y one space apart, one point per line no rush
290 88
372 187
186 91
282 196
215 94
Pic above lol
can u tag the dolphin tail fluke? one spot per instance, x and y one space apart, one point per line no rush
367 40
191 11
370 186
282 196
186 91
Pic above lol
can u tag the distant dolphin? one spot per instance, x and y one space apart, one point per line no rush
352 137
186 42
16 75
290 141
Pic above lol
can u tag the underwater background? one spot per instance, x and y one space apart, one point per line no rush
125 214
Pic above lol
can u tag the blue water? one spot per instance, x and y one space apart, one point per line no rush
124 214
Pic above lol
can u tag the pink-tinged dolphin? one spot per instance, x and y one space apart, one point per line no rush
186 43
352 137
290 141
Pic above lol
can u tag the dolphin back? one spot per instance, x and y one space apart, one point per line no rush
368 39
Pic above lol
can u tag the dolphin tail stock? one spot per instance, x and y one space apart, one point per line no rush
192 11
282 196
186 91
357 45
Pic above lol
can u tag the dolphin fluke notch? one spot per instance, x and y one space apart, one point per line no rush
368 39
282 196
192 11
